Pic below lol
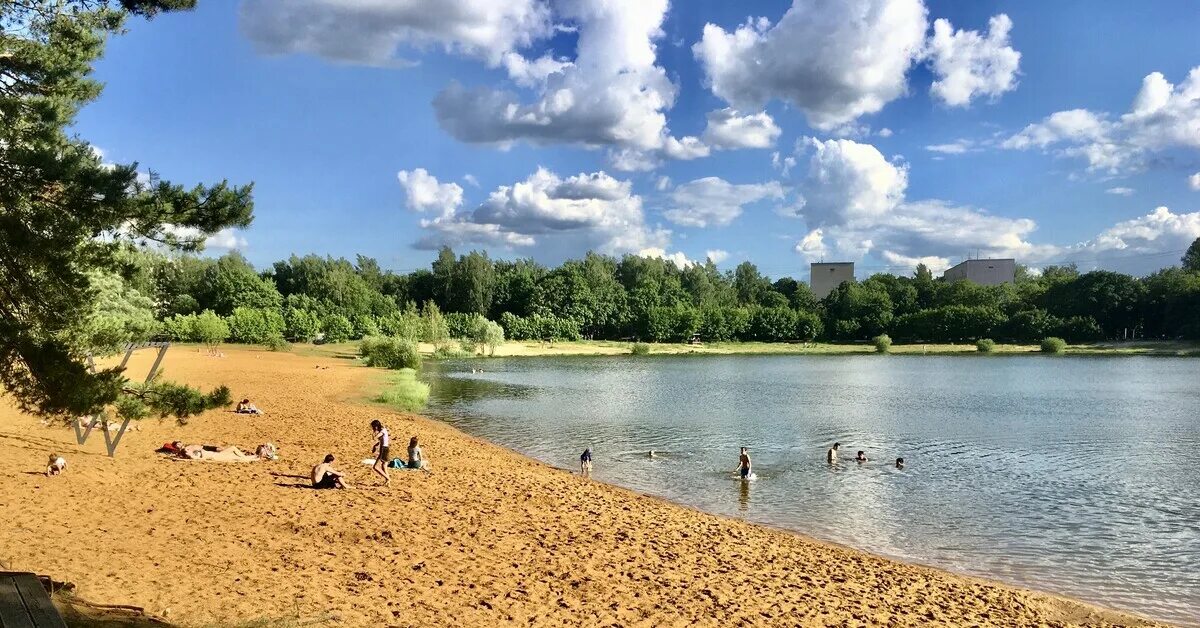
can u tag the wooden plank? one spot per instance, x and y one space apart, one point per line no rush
12 607
37 602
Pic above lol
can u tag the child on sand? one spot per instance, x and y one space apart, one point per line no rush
56 465
585 463
381 447
245 407
325 476
416 460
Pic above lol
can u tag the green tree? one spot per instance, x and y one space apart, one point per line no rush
337 328
1191 259
56 197
232 282
119 315
255 325
210 329
435 330
301 325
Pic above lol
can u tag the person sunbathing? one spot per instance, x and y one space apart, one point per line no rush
215 453
325 476
245 407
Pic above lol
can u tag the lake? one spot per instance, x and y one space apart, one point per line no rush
1078 475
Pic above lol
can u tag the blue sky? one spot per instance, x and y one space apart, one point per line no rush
828 129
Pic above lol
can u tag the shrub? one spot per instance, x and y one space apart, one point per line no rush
459 324
301 325
406 393
485 334
180 328
406 324
639 348
254 325
277 343
390 353
449 351
985 345
1053 345
365 325
883 343
337 328
210 329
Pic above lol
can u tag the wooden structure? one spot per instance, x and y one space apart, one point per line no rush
101 419
24 603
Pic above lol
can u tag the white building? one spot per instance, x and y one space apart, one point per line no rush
824 277
985 272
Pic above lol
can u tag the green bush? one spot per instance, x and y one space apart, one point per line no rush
1053 345
985 345
435 329
459 324
447 351
883 343
180 328
210 328
277 343
301 325
406 393
365 325
390 353
337 328
486 334
406 324
254 325
639 348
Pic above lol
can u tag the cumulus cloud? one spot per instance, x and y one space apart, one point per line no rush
588 211
663 183
957 147
727 128
713 201
934 263
716 255
471 180
968 64
613 93
854 203
1120 191
835 60
375 32
1194 181
677 258
228 239
424 193
885 132
1156 232
1163 117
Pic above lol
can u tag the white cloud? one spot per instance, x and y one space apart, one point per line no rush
968 64
729 129
562 216
612 93
1194 182
425 193
957 147
663 184
716 255
934 263
471 180
783 164
716 202
374 32
1120 191
1156 232
677 258
835 60
227 239
885 132
1163 117
854 204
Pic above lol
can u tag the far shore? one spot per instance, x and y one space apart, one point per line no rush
616 347
489 538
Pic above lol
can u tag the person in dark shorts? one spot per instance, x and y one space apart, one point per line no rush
324 475
585 463
743 468
382 447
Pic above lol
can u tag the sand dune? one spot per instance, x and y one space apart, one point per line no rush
492 538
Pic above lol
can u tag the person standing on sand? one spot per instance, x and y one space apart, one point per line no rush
743 467
831 455
382 448
585 463
324 475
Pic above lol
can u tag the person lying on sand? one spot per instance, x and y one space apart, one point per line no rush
245 407
743 468
56 465
215 453
325 476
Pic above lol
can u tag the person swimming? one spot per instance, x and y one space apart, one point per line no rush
861 457
899 463
832 455
651 454
744 468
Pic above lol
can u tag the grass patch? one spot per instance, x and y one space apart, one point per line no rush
1054 345
640 348
985 345
404 392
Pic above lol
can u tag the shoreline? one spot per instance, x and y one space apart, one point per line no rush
492 537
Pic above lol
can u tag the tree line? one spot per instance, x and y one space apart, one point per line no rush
630 298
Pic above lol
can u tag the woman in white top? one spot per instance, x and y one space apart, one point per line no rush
382 445
416 460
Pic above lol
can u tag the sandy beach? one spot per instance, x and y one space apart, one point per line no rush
491 538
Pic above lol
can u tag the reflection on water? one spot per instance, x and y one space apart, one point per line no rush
1071 474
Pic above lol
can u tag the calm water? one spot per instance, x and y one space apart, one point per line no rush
1077 475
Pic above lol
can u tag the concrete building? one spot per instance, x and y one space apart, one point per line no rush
985 272
824 277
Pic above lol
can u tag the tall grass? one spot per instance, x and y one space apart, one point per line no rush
639 348
405 392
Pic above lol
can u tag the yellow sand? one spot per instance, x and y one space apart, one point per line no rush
492 538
